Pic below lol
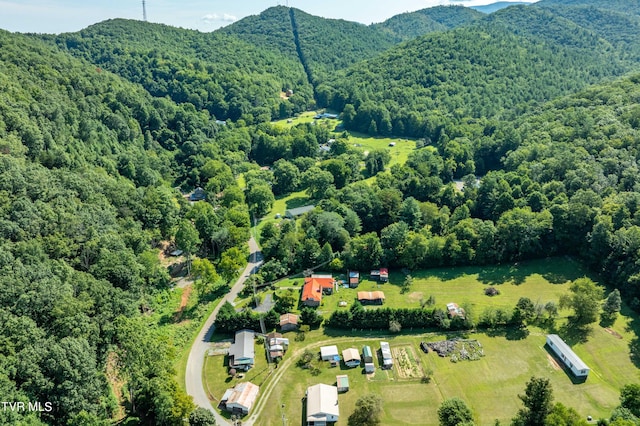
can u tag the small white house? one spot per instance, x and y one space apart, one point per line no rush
322 405
568 357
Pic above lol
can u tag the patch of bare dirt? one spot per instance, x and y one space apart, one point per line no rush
613 333
553 362
416 295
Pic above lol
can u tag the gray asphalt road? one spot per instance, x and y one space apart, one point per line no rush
195 363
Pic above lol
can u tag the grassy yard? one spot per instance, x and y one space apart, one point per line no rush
489 386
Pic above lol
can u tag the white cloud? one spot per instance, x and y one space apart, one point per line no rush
213 18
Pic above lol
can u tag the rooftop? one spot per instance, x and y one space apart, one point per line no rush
322 400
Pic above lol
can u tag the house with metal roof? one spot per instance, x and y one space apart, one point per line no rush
367 357
241 352
568 357
322 405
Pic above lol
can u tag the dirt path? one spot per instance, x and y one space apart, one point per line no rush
183 302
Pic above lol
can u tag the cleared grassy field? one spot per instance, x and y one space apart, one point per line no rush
307 117
399 153
490 385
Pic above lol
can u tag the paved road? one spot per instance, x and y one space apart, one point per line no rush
195 364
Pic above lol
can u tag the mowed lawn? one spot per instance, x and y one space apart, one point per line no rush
490 385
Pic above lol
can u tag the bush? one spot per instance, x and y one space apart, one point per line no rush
491 291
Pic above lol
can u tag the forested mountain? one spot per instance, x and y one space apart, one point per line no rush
495 66
220 73
410 25
322 45
87 163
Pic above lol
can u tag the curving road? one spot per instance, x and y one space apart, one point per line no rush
195 363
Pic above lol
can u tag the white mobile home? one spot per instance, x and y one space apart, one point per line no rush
568 357
387 359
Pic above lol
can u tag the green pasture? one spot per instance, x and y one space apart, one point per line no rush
489 386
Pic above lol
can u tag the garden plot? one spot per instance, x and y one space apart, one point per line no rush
407 363
457 349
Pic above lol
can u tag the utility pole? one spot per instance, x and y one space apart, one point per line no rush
144 11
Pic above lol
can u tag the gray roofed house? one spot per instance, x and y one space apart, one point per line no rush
241 352
322 405
298 211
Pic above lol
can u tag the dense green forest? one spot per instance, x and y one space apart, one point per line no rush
87 166
104 132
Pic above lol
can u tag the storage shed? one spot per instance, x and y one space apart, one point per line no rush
342 383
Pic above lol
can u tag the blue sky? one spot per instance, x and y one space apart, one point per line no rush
56 16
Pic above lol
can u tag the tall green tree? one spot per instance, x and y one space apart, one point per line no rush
584 299
454 412
537 400
368 411
187 240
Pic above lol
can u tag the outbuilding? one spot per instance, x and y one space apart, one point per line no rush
351 357
328 353
385 351
371 297
240 399
288 322
342 382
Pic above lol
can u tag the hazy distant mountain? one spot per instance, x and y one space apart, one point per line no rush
490 8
